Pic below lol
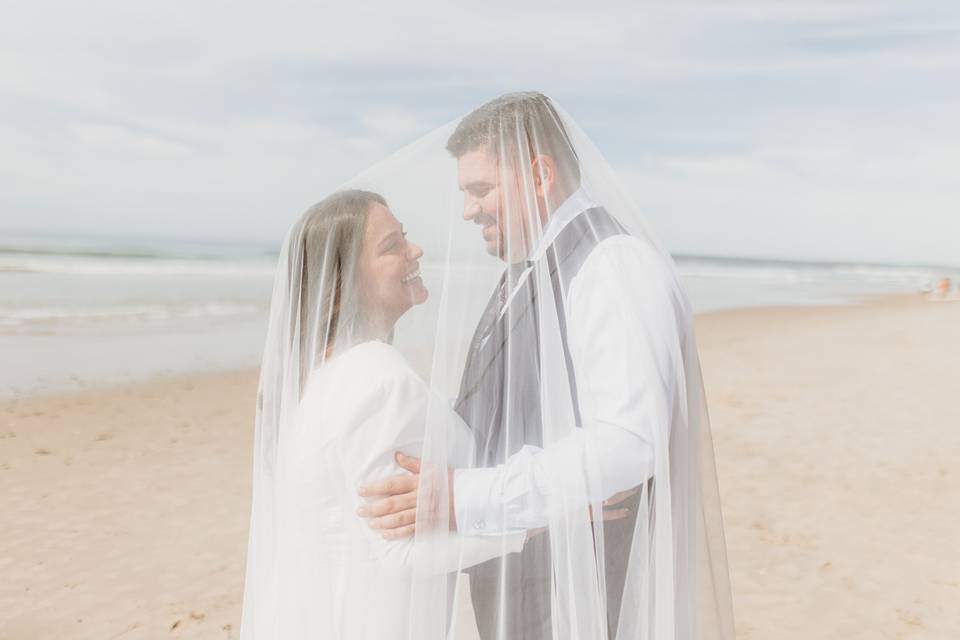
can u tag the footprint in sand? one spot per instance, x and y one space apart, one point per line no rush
910 618
194 615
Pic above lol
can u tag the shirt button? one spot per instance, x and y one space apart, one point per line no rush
479 524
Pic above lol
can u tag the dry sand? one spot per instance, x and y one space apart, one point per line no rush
124 511
838 440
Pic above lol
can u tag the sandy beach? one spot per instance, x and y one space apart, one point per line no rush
125 510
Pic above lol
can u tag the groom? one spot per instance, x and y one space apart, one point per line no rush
524 192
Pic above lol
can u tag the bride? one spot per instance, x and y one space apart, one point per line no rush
336 401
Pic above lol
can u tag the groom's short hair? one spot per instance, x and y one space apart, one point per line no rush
528 115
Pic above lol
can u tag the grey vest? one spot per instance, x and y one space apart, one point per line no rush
500 400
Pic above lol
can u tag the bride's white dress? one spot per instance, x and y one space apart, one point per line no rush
336 577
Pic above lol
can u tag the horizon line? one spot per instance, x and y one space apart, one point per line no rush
272 248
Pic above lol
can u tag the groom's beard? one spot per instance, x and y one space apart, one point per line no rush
492 232
490 226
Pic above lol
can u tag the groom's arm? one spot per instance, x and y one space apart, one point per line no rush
537 483
395 513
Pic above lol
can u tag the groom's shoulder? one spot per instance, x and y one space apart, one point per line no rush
624 251
628 263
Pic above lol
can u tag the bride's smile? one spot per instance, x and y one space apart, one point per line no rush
388 269
412 276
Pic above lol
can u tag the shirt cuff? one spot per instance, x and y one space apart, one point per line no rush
516 540
475 506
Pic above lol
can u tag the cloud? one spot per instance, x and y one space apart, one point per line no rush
229 119
123 142
393 123
809 201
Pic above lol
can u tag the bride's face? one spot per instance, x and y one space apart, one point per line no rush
388 268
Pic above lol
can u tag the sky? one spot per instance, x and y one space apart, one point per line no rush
802 130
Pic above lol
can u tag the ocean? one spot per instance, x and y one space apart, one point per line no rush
77 312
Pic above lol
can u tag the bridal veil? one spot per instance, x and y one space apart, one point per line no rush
554 315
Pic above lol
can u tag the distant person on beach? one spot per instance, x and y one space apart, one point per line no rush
943 287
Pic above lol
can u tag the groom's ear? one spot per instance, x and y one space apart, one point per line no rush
544 175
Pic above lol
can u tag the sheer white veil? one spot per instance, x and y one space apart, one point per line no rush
501 342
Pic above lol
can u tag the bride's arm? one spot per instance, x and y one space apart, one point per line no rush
393 419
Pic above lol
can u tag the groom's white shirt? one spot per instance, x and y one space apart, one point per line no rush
625 384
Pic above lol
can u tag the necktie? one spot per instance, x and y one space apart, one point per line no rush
513 278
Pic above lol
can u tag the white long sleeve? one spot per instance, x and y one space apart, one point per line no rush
625 324
395 420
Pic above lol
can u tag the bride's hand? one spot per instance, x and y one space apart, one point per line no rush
396 512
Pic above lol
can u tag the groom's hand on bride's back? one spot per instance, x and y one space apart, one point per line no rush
395 509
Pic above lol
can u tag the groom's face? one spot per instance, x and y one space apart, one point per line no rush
491 200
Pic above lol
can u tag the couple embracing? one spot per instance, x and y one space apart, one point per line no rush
538 426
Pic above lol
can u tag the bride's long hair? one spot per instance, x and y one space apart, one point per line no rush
325 246
313 306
